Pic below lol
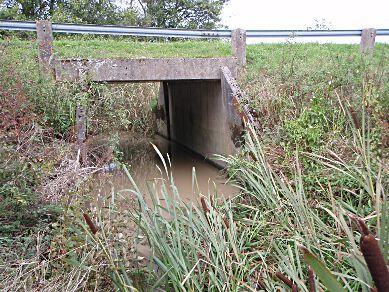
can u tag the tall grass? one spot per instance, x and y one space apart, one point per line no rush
195 248
244 242
332 238
88 250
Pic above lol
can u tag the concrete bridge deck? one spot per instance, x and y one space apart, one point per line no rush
144 69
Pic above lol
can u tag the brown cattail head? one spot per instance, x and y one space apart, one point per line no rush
226 222
261 284
204 206
311 280
253 156
355 118
287 281
205 209
373 256
88 221
212 202
375 262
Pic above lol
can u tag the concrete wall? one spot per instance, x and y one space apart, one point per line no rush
146 69
237 113
206 116
198 115
162 114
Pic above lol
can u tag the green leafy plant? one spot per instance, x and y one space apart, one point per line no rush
308 130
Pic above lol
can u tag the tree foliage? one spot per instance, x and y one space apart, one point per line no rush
27 9
182 13
158 13
84 11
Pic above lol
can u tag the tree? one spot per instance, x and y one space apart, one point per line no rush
81 11
182 13
159 13
27 9
87 11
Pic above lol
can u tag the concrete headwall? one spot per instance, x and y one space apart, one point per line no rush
237 113
146 69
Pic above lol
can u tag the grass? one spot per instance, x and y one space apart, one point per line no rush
142 49
194 250
241 244
317 157
81 47
259 57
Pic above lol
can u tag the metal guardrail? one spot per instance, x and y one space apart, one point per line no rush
117 30
309 33
184 33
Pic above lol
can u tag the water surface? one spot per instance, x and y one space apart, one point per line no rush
146 167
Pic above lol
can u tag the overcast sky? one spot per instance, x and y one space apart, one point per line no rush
300 14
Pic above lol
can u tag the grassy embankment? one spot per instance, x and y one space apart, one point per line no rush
317 158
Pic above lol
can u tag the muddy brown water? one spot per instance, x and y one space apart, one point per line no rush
146 167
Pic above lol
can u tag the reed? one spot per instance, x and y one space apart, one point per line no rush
275 226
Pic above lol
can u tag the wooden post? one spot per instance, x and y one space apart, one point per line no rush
81 132
81 125
368 40
238 40
45 41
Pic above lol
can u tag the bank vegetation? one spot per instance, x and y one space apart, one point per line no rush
312 173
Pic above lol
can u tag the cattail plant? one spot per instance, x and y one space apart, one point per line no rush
91 225
373 257
287 281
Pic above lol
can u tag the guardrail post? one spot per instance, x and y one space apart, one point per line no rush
45 42
368 40
238 40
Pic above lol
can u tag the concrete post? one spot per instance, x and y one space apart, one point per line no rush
45 42
238 40
368 40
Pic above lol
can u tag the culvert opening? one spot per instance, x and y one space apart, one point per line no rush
189 129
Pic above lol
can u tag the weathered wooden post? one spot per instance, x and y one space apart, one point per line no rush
368 40
45 42
81 132
238 40
45 54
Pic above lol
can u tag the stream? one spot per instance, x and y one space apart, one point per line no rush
145 165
